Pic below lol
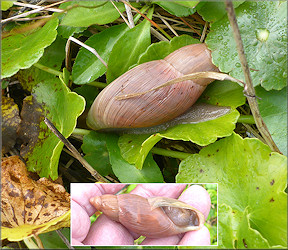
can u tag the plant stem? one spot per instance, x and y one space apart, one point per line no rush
101 85
248 119
248 88
169 153
81 131
47 69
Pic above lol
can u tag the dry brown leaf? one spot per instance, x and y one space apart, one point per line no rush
29 202
29 129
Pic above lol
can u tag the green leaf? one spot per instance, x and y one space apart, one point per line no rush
251 180
128 48
124 171
224 93
95 149
52 240
213 11
204 133
54 100
273 109
20 51
178 8
263 31
99 12
67 31
242 236
134 149
5 5
162 49
87 66
52 58
88 92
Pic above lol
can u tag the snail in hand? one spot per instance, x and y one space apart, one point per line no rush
157 110
153 217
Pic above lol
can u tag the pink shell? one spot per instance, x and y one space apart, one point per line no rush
158 106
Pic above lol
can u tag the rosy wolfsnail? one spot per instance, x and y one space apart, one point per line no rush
160 106
153 217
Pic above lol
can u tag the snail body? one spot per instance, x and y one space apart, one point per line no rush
155 107
153 217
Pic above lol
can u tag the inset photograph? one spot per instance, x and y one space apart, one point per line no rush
143 214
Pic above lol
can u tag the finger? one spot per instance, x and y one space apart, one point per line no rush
105 232
200 237
165 241
75 242
82 192
198 197
80 222
151 190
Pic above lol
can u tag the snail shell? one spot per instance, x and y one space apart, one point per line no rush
154 217
155 107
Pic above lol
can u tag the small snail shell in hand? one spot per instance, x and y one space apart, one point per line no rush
159 106
154 217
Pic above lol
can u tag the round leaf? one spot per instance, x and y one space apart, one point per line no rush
273 109
212 11
263 30
251 180
52 58
20 51
92 12
5 5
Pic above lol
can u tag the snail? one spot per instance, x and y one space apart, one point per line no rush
153 217
153 111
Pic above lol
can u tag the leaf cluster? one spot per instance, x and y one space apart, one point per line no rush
61 85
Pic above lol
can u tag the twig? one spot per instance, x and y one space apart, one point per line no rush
253 132
152 22
248 88
204 32
31 12
158 35
167 24
32 18
32 6
92 50
169 19
196 75
196 31
123 17
38 241
74 151
64 239
129 15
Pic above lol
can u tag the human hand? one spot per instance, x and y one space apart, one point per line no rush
107 232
